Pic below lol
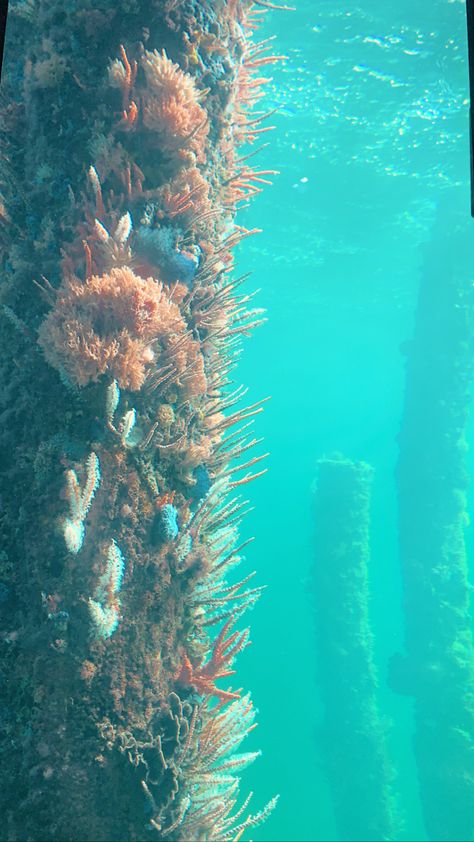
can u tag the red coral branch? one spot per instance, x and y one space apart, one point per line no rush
223 653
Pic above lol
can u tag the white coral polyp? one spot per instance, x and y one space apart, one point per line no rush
105 620
73 531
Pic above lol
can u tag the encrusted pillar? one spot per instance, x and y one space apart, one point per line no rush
437 667
352 734
122 432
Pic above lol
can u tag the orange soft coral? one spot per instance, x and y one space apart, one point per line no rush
170 106
187 199
113 323
189 364
224 651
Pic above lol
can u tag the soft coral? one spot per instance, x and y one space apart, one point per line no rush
223 653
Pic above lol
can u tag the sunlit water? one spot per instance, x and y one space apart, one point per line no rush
372 133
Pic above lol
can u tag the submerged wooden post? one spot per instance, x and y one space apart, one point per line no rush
353 737
120 176
438 665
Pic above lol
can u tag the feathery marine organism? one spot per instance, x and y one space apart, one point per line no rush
119 187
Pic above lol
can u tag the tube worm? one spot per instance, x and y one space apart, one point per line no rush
353 733
438 665
123 435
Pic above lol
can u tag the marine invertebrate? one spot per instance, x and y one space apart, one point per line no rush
202 482
104 607
126 425
111 324
186 201
211 766
160 246
166 416
170 105
224 650
167 522
80 503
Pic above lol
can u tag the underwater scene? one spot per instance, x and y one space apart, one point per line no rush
236 245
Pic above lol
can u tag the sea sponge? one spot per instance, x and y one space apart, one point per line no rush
158 247
165 527
114 323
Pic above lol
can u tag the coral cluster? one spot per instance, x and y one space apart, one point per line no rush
104 608
118 324
80 503
170 106
143 322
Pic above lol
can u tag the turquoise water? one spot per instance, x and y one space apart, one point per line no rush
372 134
371 139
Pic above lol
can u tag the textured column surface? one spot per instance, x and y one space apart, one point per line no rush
438 665
122 431
352 734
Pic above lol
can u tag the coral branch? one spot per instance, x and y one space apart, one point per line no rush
79 503
223 654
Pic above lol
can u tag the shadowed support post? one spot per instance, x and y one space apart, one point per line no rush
438 666
353 733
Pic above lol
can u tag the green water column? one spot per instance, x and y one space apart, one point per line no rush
353 735
438 667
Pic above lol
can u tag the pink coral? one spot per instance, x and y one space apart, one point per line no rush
170 106
190 361
187 196
114 323
223 653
